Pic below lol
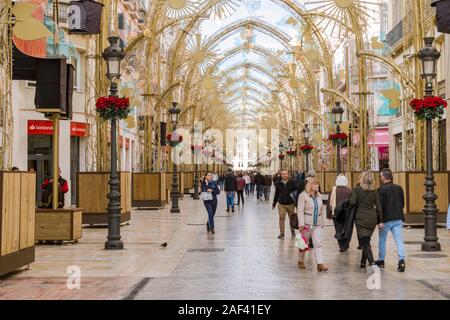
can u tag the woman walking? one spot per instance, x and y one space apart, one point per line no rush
340 193
368 215
210 190
311 219
240 187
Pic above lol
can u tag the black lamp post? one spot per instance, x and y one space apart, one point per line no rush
281 146
337 112
429 56
174 112
195 195
213 156
306 135
113 56
291 154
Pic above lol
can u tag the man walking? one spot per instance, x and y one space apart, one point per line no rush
230 189
286 203
392 202
259 182
267 186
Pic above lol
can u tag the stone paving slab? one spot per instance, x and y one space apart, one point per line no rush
243 260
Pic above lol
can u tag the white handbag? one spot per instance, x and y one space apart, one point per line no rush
206 196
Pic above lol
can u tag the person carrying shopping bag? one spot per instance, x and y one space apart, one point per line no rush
210 190
311 219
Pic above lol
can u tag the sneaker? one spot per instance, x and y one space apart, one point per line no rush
207 227
228 209
380 263
281 236
401 266
232 210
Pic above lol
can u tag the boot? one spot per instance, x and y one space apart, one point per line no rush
321 268
301 265
401 266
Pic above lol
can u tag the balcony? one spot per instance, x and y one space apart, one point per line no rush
395 35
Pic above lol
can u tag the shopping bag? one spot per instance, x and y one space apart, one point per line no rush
300 242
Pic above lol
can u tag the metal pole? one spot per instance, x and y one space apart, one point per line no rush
430 210
55 183
174 194
307 162
195 195
338 151
114 210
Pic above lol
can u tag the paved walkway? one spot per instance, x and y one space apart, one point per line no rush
243 260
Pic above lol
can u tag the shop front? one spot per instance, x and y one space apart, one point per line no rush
40 134
380 148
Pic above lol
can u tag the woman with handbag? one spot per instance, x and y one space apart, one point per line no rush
311 219
210 190
368 215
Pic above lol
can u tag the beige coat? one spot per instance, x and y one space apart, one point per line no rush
306 210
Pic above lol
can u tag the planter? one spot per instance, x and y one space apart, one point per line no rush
180 183
17 220
188 182
414 189
148 190
92 190
58 225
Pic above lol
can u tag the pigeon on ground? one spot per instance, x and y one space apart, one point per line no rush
164 244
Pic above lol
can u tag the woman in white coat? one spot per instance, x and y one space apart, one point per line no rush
311 219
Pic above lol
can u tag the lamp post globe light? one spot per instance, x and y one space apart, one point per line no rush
113 56
174 113
429 56
306 136
338 112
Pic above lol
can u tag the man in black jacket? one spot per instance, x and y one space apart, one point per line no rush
259 182
286 203
230 189
392 202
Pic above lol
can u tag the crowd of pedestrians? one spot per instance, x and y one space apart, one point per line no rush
298 197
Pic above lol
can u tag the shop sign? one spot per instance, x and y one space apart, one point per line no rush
40 127
79 129
45 127
383 153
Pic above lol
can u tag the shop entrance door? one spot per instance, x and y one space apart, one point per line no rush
40 160
42 164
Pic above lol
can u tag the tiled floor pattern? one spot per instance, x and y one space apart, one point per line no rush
243 260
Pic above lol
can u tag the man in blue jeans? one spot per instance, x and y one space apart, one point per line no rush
230 189
392 201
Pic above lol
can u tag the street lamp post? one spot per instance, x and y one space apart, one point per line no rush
195 195
291 155
306 135
337 112
281 155
174 112
213 156
113 56
429 56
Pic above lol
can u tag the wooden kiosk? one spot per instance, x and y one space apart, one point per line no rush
92 190
17 220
